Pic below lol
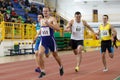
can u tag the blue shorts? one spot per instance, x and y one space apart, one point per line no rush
48 43
37 45
111 50
107 45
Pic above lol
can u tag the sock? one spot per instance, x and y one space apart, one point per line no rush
43 70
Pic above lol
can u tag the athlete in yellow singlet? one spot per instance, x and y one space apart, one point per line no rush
105 31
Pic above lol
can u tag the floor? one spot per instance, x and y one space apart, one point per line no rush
7 59
90 68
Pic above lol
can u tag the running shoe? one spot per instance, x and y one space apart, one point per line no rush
37 70
77 68
61 71
42 74
105 70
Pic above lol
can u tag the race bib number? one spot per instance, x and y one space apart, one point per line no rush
45 31
78 29
104 33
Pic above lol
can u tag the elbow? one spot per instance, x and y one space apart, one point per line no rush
58 29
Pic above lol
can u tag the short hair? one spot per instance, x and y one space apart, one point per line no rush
47 7
106 16
77 13
41 14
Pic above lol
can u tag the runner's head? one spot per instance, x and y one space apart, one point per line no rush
78 16
40 16
46 11
105 18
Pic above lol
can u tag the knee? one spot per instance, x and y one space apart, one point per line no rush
40 54
75 52
47 55
55 54
111 55
103 55
36 54
79 48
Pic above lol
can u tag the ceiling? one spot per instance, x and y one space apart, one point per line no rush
98 1
95 2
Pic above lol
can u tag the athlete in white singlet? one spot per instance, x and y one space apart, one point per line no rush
77 26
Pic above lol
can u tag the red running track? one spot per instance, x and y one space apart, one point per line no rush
90 68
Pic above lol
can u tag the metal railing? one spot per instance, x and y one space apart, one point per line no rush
1 18
9 30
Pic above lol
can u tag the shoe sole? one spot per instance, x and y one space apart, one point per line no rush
76 70
38 71
105 70
42 75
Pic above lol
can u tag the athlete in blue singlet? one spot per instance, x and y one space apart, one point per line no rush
37 42
47 38
48 25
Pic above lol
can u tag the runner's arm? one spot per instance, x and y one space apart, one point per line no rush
53 24
88 26
68 27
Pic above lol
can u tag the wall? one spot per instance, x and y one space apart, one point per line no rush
67 8
52 4
36 1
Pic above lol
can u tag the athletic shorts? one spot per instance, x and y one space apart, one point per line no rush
49 43
37 45
107 45
75 43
